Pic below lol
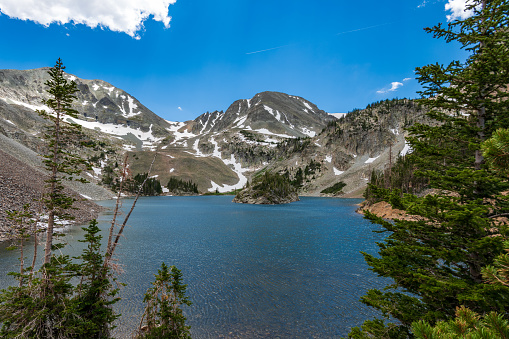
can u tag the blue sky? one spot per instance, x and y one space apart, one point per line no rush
338 54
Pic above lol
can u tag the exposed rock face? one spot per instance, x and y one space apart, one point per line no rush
252 196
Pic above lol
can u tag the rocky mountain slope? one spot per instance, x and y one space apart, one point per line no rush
220 151
22 184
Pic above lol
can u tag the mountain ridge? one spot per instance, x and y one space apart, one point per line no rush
221 150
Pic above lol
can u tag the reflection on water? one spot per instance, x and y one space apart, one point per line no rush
286 271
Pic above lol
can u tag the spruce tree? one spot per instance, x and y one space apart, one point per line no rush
163 316
62 159
435 261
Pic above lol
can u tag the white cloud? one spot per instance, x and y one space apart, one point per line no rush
118 15
180 108
394 86
407 79
457 8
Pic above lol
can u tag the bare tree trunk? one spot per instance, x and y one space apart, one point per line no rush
113 245
36 240
118 204
22 261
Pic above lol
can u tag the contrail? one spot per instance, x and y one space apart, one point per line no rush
345 32
364 28
268 49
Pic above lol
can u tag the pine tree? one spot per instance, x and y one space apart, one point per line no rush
63 160
163 317
435 261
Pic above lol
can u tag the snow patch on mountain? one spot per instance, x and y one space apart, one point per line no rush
370 160
338 115
240 121
174 128
406 150
276 115
131 107
231 163
308 106
197 151
308 132
237 168
24 104
337 172
328 158
216 153
147 138
266 131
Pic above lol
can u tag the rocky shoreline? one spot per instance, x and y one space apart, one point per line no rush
384 210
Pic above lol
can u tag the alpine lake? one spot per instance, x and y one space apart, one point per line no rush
252 271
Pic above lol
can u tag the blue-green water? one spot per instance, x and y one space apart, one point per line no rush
285 271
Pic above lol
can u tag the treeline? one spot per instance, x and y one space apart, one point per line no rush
176 185
151 186
399 176
334 189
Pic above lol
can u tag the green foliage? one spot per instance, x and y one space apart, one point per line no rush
63 159
48 305
401 176
178 186
312 168
435 260
496 150
377 329
152 186
293 145
498 272
466 325
272 186
299 176
108 176
163 317
94 295
251 136
336 188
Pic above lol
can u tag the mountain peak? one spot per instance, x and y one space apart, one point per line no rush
276 112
